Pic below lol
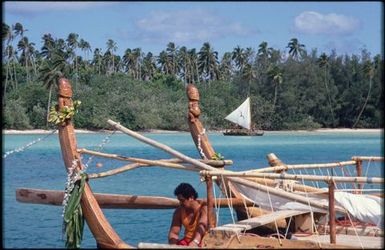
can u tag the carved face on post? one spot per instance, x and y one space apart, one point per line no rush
193 105
65 89
192 92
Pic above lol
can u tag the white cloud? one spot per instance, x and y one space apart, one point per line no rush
311 22
20 7
187 26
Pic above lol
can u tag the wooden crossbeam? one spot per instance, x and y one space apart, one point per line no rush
259 221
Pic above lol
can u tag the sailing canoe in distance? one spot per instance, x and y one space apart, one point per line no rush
242 117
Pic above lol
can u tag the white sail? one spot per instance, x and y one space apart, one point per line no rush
242 115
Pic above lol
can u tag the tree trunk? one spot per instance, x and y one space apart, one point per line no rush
364 106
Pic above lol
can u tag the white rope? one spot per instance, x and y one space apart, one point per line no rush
272 210
228 200
311 211
287 228
316 183
366 172
20 149
71 179
355 230
216 204
99 148
343 174
73 176
199 144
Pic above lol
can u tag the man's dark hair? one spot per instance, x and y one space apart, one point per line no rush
186 190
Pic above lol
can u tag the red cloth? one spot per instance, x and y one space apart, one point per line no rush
183 242
186 242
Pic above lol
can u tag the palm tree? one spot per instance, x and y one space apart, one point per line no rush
51 70
369 71
97 59
323 62
111 48
264 53
149 67
137 60
10 55
19 29
275 74
249 73
225 66
238 56
85 46
296 50
208 62
193 58
128 62
27 51
172 52
72 45
6 36
184 64
163 60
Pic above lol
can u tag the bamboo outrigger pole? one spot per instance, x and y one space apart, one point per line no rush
376 180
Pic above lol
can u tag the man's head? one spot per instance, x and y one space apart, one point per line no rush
185 192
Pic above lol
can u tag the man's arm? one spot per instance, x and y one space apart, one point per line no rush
202 227
173 234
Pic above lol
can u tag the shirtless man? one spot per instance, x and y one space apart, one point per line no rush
192 214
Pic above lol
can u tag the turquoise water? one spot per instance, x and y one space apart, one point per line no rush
41 166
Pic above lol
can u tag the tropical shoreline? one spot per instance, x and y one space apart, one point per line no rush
159 131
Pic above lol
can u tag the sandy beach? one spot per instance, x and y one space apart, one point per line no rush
159 131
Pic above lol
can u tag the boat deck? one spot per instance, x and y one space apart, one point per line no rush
363 242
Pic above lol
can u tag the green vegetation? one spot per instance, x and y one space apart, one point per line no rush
302 90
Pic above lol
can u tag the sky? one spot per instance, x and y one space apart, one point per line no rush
346 27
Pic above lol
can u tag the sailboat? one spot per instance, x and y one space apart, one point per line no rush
242 117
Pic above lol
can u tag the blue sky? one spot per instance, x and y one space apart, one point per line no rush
346 27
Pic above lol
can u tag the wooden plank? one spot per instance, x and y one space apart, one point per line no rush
259 221
353 241
146 245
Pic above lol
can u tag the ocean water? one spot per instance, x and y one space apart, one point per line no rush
41 166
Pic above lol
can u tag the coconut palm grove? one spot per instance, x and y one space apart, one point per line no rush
290 88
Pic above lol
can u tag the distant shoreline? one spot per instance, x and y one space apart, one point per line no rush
158 131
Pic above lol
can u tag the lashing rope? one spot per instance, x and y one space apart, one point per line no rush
22 148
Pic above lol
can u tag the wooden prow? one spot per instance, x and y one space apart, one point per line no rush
203 145
104 234
198 133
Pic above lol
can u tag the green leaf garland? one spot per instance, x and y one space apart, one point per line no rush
73 217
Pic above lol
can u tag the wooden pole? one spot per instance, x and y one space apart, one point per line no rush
332 213
302 166
359 173
210 203
115 201
213 163
161 146
368 158
274 161
376 180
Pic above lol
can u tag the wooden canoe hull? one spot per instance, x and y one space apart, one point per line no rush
243 132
